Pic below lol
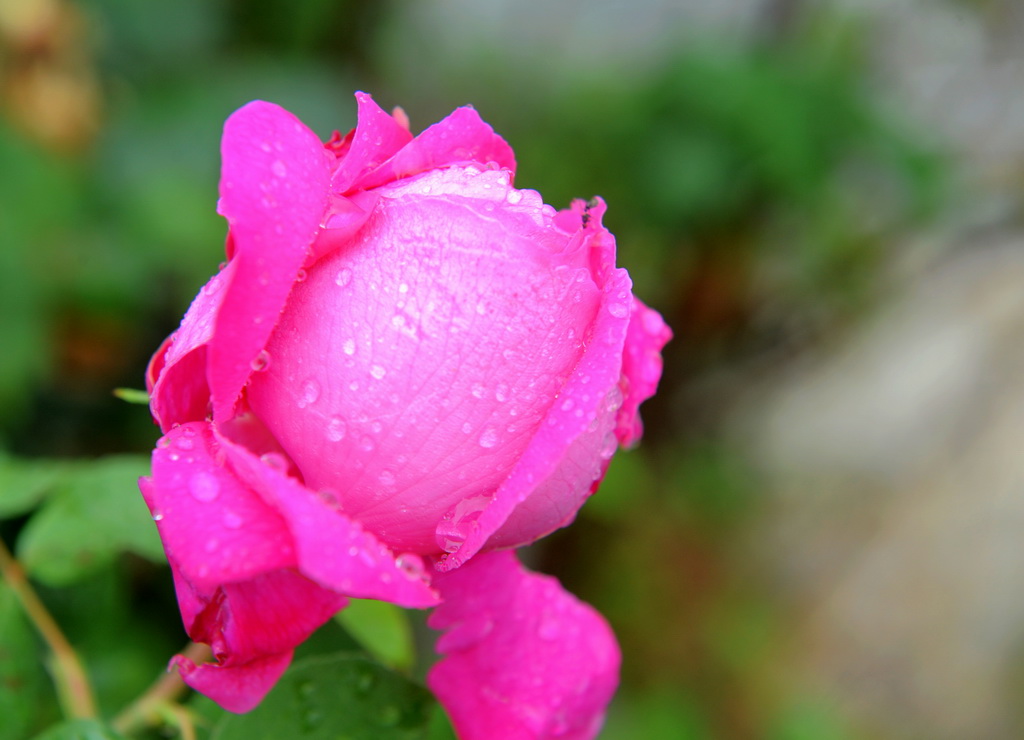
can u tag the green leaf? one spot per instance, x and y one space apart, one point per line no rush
80 729
23 683
95 513
24 483
336 697
382 629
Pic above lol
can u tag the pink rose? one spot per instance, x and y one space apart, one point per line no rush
405 368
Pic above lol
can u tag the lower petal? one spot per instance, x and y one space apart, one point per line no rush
524 659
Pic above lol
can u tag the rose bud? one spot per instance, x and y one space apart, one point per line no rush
405 368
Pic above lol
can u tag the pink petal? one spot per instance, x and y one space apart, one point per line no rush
238 688
212 525
376 138
570 450
641 367
524 659
253 628
274 188
440 359
332 549
459 138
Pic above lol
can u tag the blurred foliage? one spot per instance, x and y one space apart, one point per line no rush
754 189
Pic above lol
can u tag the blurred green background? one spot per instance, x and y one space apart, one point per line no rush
781 176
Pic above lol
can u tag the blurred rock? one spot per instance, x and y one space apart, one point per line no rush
895 478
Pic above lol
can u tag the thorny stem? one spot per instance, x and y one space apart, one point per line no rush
73 688
158 701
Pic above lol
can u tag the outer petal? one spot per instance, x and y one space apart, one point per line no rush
525 660
459 138
212 525
253 628
575 429
641 367
232 560
332 549
176 376
274 191
376 138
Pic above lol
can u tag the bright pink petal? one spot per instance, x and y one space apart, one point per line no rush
376 138
570 450
524 659
252 628
274 190
176 376
460 138
331 548
235 688
641 367
212 525
440 359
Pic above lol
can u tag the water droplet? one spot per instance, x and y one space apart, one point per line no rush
378 372
261 361
403 288
489 438
310 393
204 487
618 310
411 564
278 168
514 196
376 426
386 478
158 516
480 308
349 347
550 628
265 146
398 321
501 393
274 460
306 688
184 443
300 276
390 715
366 444
354 385
336 429
467 428
344 277
567 404
232 520
478 390
211 545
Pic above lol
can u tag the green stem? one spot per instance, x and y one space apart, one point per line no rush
69 676
158 700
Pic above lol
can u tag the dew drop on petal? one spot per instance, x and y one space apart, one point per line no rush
411 564
489 438
336 429
204 487
386 478
278 168
261 361
344 277
274 460
618 310
300 276
514 196
310 393
232 520
158 516
378 372
349 347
